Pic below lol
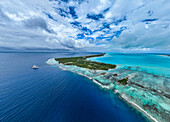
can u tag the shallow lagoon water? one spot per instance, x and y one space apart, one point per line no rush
147 88
51 94
151 63
149 80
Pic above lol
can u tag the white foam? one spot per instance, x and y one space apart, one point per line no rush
138 107
52 61
103 86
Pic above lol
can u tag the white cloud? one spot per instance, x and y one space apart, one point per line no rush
138 25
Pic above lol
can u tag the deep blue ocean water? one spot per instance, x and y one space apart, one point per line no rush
50 94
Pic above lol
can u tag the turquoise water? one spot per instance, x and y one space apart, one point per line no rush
150 63
148 80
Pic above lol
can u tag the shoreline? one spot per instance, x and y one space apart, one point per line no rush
136 106
121 96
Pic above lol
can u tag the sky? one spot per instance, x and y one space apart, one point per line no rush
85 25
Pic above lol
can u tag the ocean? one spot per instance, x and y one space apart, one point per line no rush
53 95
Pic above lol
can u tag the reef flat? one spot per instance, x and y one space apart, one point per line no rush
146 92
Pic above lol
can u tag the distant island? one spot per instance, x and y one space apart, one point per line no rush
164 54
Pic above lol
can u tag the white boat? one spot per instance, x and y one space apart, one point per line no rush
35 67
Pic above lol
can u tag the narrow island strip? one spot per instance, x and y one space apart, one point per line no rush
92 70
82 62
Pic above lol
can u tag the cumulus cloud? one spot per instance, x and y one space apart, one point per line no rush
36 23
92 25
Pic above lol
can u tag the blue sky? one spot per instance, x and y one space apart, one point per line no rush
87 25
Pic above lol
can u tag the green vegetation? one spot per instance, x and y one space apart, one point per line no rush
123 81
82 62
